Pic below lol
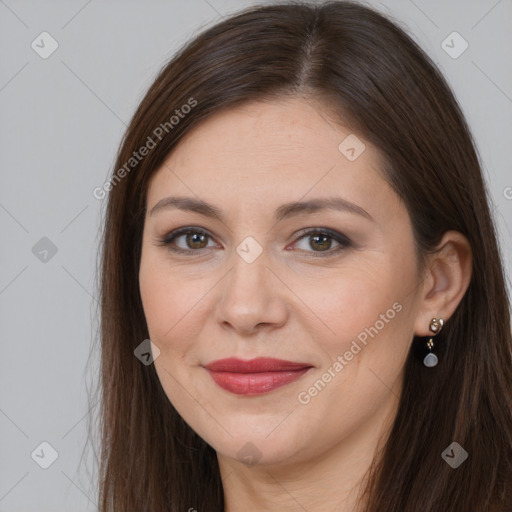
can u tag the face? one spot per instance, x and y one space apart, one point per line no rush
330 288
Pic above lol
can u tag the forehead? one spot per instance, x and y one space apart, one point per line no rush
281 149
289 129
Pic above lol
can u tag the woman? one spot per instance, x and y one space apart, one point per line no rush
303 303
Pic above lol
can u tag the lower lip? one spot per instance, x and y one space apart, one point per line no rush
255 383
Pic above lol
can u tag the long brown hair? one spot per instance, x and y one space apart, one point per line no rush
374 78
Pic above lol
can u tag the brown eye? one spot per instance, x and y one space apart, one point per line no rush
321 241
187 240
196 240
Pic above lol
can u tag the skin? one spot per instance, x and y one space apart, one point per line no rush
288 304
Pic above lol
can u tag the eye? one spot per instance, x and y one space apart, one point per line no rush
190 239
321 241
187 240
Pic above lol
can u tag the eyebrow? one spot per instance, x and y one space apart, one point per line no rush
287 210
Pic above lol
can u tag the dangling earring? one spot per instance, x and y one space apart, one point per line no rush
435 326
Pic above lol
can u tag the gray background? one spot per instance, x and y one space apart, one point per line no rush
62 119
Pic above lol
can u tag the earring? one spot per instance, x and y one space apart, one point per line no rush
430 359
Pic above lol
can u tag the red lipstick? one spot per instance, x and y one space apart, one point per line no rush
255 376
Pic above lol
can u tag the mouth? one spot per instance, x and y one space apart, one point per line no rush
256 376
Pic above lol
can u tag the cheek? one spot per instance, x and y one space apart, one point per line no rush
368 320
157 300
171 301
363 310
348 299
160 293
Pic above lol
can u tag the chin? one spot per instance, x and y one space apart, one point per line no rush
253 444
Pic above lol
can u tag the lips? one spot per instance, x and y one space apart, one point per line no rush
256 376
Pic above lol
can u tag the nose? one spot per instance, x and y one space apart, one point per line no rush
252 297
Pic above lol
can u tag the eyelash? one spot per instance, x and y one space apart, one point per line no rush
338 237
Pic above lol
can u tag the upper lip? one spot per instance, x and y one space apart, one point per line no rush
260 364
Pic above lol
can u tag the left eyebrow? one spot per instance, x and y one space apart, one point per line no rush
316 205
284 211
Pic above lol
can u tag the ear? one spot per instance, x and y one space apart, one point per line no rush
447 277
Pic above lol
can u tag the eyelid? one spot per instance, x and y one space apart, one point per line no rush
322 230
